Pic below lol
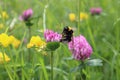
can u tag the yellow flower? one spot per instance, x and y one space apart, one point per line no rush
4 40
83 16
37 42
72 17
30 45
1 25
4 15
15 42
4 57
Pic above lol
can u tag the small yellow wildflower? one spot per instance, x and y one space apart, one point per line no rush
4 15
15 42
72 17
83 16
30 45
37 42
4 58
1 25
4 40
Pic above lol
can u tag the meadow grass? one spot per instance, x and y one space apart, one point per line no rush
101 31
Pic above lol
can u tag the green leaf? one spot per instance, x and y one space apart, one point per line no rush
68 58
28 23
94 62
57 69
75 69
52 46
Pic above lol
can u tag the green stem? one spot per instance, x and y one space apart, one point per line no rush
10 76
82 74
6 66
78 2
117 44
52 65
22 63
29 32
13 61
43 68
91 35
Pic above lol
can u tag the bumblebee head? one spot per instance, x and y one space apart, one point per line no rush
68 29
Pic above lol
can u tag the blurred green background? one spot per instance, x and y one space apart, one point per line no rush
101 31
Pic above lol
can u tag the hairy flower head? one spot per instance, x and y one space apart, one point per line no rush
52 36
95 11
80 48
26 15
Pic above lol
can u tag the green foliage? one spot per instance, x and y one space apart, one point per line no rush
52 46
101 31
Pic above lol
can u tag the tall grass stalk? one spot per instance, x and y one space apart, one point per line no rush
43 68
78 7
14 64
8 71
29 36
6 66
44 17
117 34
51 59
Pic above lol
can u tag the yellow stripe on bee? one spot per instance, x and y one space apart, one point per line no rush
69 29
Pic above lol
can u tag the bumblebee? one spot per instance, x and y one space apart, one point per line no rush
67 34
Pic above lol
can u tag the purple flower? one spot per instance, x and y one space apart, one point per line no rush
98 10
80 48
92 10
52 36
95 11
26 15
